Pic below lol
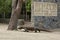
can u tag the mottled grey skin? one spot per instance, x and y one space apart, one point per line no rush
27 29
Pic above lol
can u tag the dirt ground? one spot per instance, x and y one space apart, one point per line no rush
19 35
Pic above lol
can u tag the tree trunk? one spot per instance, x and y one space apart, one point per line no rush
16 9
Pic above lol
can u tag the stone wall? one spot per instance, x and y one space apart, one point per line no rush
49 22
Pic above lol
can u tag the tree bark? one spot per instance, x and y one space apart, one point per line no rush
16 9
